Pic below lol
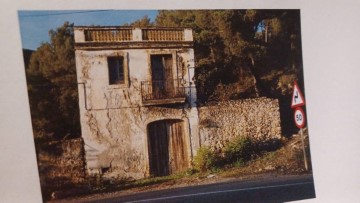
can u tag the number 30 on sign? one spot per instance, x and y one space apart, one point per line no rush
299 117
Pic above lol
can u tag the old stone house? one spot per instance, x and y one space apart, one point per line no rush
137 99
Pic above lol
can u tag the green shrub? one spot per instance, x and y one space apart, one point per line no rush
191 171
239 163
205 159
238 150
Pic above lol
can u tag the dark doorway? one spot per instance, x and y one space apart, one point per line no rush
168 148
162 76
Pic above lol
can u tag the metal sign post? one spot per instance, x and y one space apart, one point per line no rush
299 118
304 152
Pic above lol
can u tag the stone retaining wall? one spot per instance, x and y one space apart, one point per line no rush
61 163
222 121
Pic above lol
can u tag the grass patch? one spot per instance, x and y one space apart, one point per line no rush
152 181
269 156
238 151
206 160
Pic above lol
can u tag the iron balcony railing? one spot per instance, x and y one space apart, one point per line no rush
162 89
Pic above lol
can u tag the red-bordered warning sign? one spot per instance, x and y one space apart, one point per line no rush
299 117
297 97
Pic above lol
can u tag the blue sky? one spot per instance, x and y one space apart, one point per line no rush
35 25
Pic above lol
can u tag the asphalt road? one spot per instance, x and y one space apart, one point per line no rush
280 189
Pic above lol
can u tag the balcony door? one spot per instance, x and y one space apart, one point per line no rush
162 76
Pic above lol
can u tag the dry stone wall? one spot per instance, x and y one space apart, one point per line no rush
223 121
61 165
63 160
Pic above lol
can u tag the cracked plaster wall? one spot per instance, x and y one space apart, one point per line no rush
113 119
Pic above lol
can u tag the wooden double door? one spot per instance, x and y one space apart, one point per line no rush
168 147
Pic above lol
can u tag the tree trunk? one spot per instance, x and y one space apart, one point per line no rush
259 90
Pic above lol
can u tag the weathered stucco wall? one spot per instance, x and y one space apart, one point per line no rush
114 120
92 74
116 140
258 118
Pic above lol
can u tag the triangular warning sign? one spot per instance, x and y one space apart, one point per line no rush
297 97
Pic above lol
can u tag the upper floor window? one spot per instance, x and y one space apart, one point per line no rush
116 70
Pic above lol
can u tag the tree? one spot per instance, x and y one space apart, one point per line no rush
52 87
143 22
232 60
282 44
219 46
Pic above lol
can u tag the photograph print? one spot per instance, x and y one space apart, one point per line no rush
168 105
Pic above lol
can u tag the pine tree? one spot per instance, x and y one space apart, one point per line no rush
52 87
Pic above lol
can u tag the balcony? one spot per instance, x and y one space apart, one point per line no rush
162 92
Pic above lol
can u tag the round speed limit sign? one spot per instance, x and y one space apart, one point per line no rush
299 117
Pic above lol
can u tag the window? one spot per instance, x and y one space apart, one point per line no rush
116 70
